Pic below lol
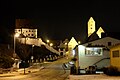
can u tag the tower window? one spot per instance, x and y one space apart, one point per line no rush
109 43
32 34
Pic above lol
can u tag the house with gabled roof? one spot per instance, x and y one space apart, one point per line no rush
115 56
94 52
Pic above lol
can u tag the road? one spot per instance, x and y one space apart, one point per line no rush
51 71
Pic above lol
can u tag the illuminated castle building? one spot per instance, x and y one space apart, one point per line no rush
23 27
29 33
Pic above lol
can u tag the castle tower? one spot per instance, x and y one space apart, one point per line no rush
91 26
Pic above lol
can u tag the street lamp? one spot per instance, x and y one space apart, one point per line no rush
48 41
51 44
20 36
15 35
32 54
79 42
14 54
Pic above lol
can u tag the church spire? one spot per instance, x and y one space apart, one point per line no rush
100 30
91 26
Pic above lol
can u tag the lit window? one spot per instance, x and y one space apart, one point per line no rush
93 51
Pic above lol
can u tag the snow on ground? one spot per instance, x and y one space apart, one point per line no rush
93 77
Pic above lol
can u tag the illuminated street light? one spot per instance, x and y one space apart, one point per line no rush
14 54
79 42
51 44
48 41
20 36
66 43
32 53
15 36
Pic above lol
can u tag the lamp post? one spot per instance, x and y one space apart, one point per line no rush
51 44
22 36
15 35
48 41
24 57
14 54
32 54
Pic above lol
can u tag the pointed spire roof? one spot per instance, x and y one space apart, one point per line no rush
91 19
100 30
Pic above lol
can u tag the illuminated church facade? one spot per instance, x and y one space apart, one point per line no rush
92 28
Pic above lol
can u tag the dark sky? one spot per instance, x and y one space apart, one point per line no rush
60 19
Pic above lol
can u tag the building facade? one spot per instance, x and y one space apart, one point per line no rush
115 56
27 32
95 52
92 28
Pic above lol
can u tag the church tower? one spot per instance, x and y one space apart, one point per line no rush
91 26
100 30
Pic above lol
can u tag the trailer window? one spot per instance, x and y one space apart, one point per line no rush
93 51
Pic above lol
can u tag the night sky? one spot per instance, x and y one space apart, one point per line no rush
57 19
